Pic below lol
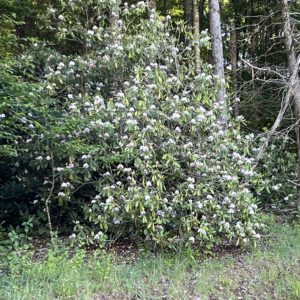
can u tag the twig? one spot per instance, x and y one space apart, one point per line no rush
48 200
282 111
265 69
293 182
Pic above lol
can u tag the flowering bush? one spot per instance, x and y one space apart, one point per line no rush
128 142
279 167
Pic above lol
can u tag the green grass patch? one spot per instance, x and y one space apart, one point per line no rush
269 272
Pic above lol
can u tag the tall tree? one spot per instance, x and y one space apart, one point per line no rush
196 23
151 6
202 13
188 11
218 56
292 64
233 55
165 7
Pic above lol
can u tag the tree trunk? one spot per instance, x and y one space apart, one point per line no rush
196 23
292 59
113 19
201 12
218 56
151 6
188 11
233 54
165 7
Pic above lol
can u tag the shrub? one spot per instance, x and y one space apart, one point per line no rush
127 142
279 166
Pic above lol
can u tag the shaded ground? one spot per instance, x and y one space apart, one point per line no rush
272 271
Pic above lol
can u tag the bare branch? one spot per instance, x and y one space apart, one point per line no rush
265 70
284 106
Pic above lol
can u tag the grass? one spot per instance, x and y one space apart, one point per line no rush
272 271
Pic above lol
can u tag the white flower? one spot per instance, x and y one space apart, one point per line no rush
276 187
144 148
109 200
191 179
98 100
199 205
61 194
66 185
175 116
257 236
90 32
120 167
39 158
192 240
200 118
202 231
131 122
236 155
120 95
2 116
73 106
250 210
98 235
72 236
86 166
60 66
116 221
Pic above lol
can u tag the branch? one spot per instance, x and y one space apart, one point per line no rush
265 69
293 182
284 106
